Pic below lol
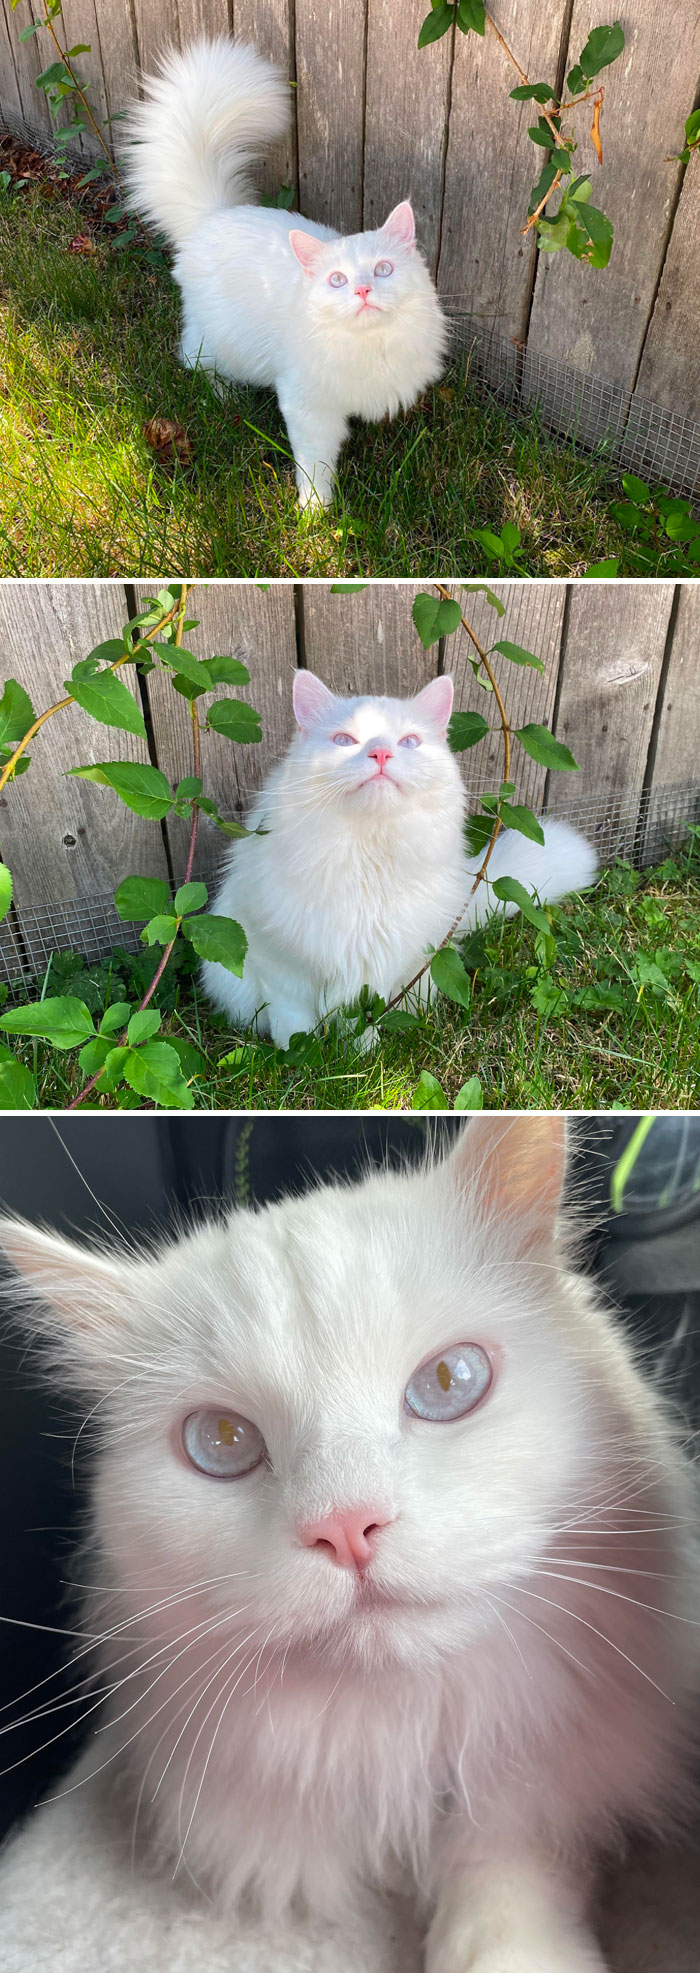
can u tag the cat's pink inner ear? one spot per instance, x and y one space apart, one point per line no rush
311 699
515 1167
401 225
434 703
308 250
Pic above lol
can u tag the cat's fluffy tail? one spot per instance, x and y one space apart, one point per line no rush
191 141
565 862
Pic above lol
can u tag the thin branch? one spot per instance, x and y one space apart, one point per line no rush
83 98
60 706
534 216
547 114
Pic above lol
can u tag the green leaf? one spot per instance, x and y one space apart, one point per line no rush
143 1025
398 1021
533 92
607 568
428 1094
681 527
491 542
189 788
517 655
17 1086
236 720
510 891
154 1072
190 1058
190 897
692 126
65 1021
437 23
346 588
470 1096
227 671
220 939
522 819
5 890
628 516
466 729
447 971
541 745
143 789
637 489
603 46
16 714
544 184
186 664
434 617
483 588
93 1056
576 81
115 1017
236 829
160 930
478 830
471 15
113 1068
600 233
139 897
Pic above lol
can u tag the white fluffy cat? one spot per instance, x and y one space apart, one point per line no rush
364 863
396 1560
341 326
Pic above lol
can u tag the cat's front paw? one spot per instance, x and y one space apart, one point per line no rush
314 494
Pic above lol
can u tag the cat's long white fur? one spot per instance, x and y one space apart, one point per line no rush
515 1685
355 880
257 303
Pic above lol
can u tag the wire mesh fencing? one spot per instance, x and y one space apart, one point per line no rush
642 828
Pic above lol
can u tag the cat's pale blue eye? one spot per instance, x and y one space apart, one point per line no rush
338 280
451 1384
410 740
344 740
383 268
221 1443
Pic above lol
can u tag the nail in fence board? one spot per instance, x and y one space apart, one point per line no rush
485 263
267 25
670 368
330 46
405 119
596 319
366 641
676 758
66 839
610 670
258 626
533 619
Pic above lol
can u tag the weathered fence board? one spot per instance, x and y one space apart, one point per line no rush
609 674
678 738
406 118
376 119
599 324
533 619
366 641
330 45
486 266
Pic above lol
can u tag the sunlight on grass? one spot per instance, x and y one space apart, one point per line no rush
87 357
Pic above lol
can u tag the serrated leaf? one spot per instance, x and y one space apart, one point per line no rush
471 16
143 789
478 830
190 1058
434 617
140 897
227 671
186 664
64 1021
160 930
190 787
466 729
17 1085
603 46
510 891
5 890
447 972
143 1025
541 745
190 897
517 817
236 720
115 1017
154 1072
470 1096
517 655
113 1068
428 1095
93 1056
219 939
16 714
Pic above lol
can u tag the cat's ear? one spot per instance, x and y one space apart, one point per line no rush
311 699
308 250
513 1168
434 703
71 1296
401 226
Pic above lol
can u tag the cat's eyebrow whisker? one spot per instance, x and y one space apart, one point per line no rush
520 1590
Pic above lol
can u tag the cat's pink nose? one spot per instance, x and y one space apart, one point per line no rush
380 754
364 292
348 1538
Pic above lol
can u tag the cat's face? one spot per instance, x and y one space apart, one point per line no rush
354 1417
358 284
370 757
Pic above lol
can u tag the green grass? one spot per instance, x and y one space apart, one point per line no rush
87 357
623 1026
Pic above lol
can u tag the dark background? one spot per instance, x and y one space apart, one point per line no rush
79 1174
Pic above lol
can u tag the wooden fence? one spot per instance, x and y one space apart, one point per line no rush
621 686
376 120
